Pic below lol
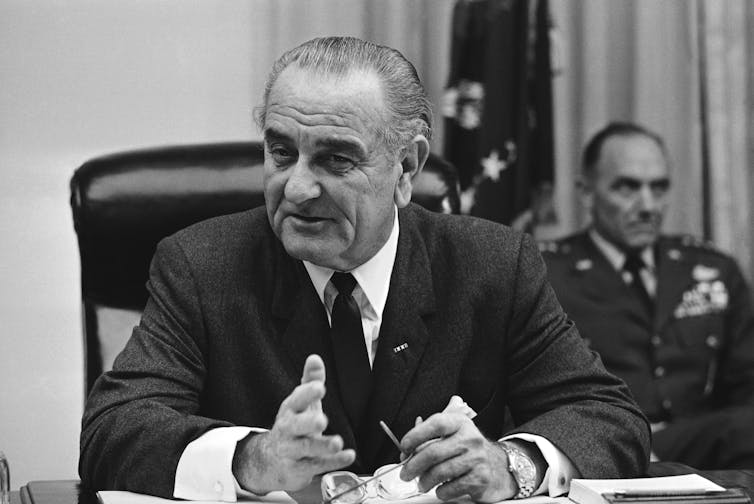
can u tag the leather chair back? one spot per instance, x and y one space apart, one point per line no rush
125 203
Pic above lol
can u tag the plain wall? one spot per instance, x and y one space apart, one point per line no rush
77 79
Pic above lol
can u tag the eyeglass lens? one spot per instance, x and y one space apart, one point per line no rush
388 485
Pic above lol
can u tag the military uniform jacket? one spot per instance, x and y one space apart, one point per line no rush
232 317
696 353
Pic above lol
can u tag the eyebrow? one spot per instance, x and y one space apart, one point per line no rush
273 134
343 145
336 144
635 182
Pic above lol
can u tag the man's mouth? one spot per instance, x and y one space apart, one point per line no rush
307 218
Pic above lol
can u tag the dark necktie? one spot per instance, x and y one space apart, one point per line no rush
634 265
351 359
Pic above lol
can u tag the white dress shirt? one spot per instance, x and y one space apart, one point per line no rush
204 470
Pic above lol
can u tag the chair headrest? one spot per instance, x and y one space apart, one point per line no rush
123 204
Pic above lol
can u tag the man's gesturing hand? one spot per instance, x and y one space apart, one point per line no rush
459 459
295 449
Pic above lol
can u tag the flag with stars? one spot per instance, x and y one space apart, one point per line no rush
498 110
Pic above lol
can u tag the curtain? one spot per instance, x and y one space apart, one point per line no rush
726 46
420 29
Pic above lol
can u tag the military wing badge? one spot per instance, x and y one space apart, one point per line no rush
702 273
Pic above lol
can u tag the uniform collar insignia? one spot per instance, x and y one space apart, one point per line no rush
674 254
583 265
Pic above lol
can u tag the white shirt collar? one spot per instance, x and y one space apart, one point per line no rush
615 256
373 276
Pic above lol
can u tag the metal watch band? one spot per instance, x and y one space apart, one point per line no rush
523 470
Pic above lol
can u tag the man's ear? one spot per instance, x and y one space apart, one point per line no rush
414 157
585 187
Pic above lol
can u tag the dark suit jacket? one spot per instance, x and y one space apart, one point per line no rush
231 318
695 355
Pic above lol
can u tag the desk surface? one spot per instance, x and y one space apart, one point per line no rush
72 492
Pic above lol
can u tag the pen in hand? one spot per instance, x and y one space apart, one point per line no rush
391 435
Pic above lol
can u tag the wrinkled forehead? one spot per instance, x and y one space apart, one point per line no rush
308 98
360 88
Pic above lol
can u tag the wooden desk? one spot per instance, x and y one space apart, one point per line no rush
742 478
72 492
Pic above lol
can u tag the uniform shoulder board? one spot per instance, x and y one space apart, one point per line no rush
690 241
547 246
554 247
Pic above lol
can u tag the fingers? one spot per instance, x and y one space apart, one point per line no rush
314 369
449 450
328 462
303 396
439 425
305 448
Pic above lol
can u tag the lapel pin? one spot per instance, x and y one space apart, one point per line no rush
674 254
583 265
400 348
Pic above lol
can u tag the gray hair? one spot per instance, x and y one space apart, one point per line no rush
409 109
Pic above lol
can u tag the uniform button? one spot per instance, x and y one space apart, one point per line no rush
659 372
667 404
656 340
218 488
713 341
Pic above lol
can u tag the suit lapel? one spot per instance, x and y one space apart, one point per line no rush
673 279
302 330
403 336
602 279
602 276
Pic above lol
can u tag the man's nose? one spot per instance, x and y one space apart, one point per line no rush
302 184
648 200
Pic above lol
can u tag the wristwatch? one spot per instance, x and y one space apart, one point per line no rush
523 470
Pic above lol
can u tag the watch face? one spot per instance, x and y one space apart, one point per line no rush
525 468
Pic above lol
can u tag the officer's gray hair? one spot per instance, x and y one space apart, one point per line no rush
409 109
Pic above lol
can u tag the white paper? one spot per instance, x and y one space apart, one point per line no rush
682 482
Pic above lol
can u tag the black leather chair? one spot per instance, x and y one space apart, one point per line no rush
124 203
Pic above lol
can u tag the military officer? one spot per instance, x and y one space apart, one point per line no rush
670 315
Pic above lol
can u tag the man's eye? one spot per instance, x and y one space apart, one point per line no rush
281 155
337 163
660 187
626 187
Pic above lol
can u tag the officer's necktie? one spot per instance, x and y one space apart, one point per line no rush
349 348
633 265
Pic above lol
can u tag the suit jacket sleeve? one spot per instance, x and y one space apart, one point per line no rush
559 389
140 416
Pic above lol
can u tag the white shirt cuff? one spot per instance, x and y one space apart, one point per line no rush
560 469
205 469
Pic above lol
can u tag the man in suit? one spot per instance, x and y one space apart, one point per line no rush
670 315
239 377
